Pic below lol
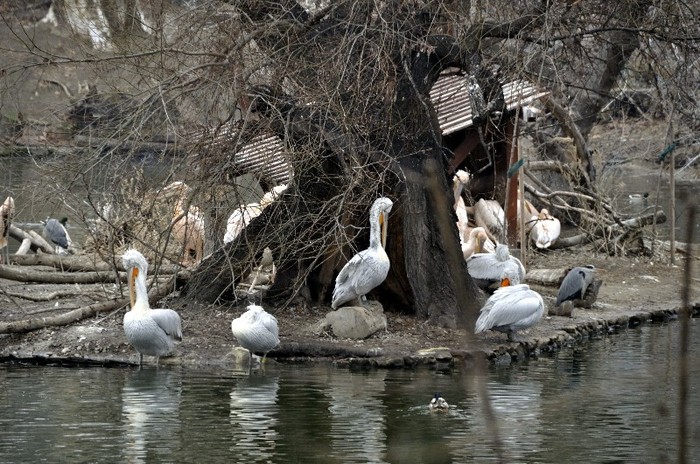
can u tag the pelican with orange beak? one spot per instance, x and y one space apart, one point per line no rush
152 332
509 309
368 268
493 270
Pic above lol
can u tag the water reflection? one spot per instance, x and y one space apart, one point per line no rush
150 412
254 419
614 400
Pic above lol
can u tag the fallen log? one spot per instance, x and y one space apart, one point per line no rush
82 263
27 325
37 241
547 277
32 275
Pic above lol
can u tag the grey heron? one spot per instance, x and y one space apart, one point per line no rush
438 403
56 233
7 211
488 269
575 284
152 332
256 330
510 309
368 268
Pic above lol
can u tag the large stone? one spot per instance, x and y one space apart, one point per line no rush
356 322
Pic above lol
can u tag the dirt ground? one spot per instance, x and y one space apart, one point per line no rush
631 286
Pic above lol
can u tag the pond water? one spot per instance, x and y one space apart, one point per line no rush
613 400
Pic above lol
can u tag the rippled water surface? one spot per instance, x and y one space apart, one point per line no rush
613 400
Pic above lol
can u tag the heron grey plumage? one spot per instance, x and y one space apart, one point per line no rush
510 309
368 268
152 332
55 231
256 330
488 269
575 284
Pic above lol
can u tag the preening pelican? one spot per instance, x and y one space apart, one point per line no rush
488 269
490 215
545 230
510 309
368 268
7 211
478 242
438 403
55 232
459 181
529 215
256 331
575 284
187 226
150 331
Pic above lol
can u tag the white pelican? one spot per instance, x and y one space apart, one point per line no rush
368 268
574 285
55 232
510 309
272 195
438 403
256 331
150 331
529 215
478 242
459 181
488 269
545 230
240 219
187 226
490 215
7 210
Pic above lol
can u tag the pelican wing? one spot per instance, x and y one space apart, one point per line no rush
270 323
485 266
516 306
362 273
169 321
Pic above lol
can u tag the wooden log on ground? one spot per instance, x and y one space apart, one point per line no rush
547 277
37 241
27 325
24 247
32 275
82 263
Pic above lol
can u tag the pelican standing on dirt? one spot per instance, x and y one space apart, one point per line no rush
488 269
7 210
510 309
545 230
256 330
575 284
368 268
55 232
152 332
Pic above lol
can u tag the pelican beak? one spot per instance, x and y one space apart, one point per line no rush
383 223
479 245
132 285
505 282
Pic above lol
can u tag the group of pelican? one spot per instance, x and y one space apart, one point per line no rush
489 220
154 332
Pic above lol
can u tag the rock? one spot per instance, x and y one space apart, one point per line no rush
565 309
356 322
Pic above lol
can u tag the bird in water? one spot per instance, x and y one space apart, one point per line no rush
7 210
545 230
575 284
256 330
55 232
438 403
152 332
488 269
368 268
509 309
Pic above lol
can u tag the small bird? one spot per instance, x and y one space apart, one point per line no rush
368 268
56 233
575 284
510 309
7 211
256 330
152 332
488 269
545 230
438 403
